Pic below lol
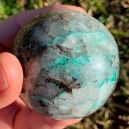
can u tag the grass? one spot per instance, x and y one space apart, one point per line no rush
115 15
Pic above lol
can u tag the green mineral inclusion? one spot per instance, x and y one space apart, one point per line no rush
93 61
63 62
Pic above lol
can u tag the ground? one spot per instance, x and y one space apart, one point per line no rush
114 14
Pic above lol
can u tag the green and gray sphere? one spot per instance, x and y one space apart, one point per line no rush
70 63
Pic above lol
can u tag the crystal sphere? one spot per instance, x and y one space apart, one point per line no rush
70 63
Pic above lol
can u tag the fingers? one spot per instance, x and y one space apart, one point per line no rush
35 120
42 122
10 27
8 115
11 78
8 31
18 116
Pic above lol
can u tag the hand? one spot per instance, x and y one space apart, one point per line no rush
14 114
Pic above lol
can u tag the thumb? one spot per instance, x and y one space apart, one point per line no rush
11 78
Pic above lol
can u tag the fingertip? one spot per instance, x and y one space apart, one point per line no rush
13 78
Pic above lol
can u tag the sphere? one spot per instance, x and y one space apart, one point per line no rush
70 63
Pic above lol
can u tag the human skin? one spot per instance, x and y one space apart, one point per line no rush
14 114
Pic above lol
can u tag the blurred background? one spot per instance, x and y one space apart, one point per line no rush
114 14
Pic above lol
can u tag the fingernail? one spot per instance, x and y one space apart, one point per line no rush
3 82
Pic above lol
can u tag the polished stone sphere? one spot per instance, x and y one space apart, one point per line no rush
70 63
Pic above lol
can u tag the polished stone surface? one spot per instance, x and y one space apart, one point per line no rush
70 62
